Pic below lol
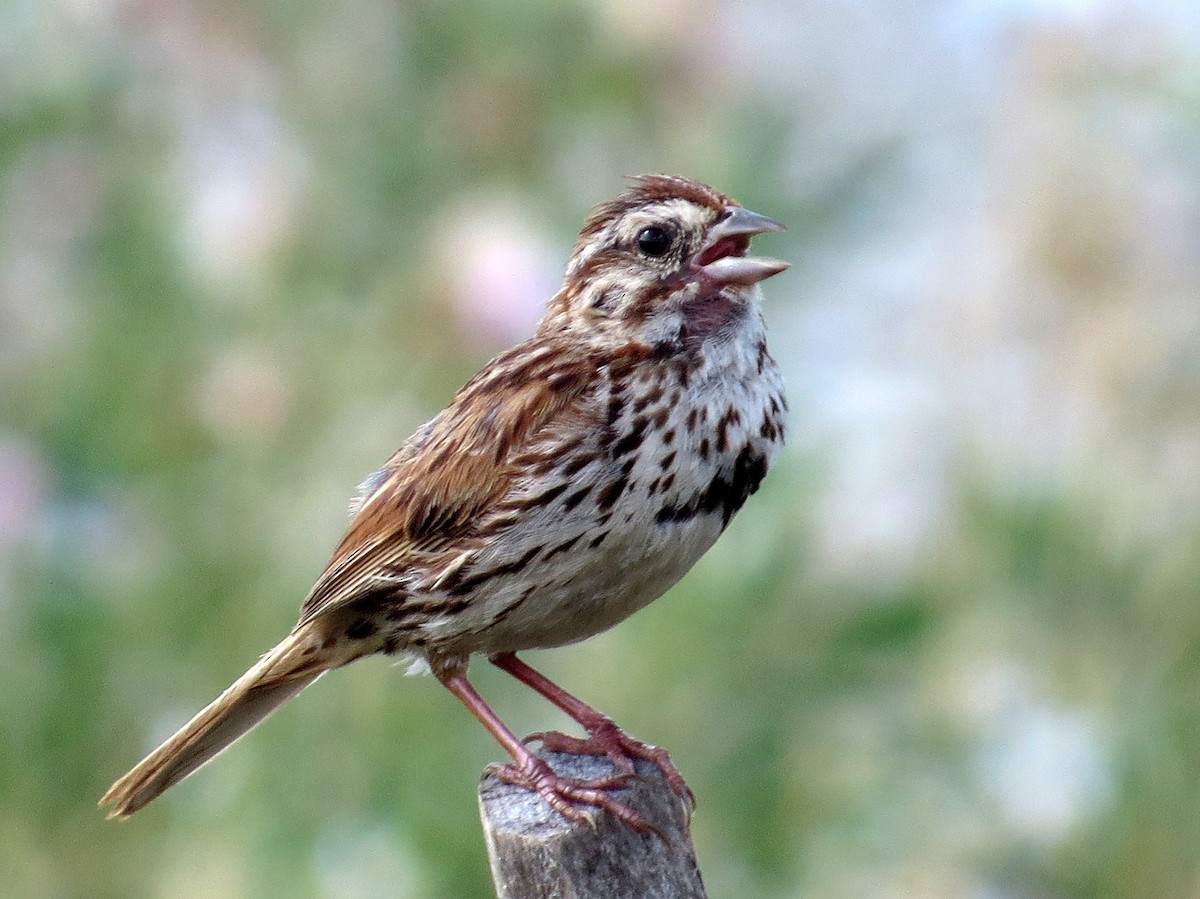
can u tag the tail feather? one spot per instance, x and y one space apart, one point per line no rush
277 677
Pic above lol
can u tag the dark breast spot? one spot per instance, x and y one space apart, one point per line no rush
361 628
616 403
576 498
562 547
465 585
608 496
452 607
548 496
667 348
509 609
762 356
648 398
632 440
731 417
726 492
577 464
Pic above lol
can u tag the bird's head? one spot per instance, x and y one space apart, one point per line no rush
665 260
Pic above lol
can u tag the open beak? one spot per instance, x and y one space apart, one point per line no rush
723 260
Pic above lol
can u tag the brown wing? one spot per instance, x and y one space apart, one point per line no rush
444 479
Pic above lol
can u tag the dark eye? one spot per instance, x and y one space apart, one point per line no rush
653 242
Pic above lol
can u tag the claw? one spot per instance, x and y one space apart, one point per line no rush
553 741
606 739
566 794
563 794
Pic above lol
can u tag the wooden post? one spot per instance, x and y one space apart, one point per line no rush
536 853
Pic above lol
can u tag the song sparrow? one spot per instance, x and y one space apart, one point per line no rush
567 485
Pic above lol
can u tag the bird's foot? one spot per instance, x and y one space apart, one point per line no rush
566 794
606 739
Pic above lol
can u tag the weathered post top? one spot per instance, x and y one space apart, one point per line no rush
536 853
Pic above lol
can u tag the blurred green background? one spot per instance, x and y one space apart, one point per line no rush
952 649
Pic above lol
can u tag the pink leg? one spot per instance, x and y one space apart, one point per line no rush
604 737
563 794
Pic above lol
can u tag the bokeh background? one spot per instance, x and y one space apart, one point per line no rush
952 649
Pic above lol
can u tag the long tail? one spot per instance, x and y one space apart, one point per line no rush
277 677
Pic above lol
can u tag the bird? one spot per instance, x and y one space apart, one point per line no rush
571 482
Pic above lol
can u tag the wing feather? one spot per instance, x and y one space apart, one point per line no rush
462 464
